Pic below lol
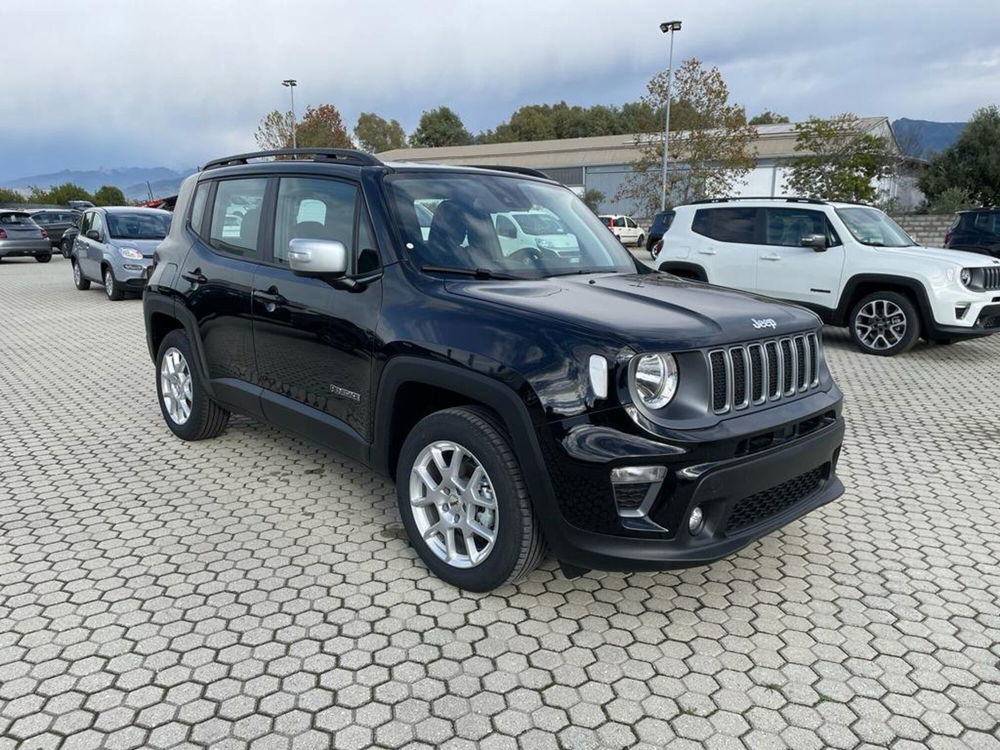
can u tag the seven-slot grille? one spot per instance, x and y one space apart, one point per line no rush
991 278
752 374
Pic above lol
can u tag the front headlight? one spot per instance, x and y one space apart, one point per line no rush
972 278
655 379
130 252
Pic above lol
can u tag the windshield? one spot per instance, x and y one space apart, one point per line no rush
19 220
138 226
470 227
872 227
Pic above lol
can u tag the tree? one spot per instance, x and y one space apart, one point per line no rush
274 131
839 160
440 127
712 155
593 198
109 195
971 164
538 122
322 127
950 200
376 134
60 194
767 117
10 196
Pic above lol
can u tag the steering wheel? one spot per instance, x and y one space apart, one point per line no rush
530 254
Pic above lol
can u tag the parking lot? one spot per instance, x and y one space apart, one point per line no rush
258 591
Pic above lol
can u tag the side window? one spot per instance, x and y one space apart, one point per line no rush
198 204
85 223
630 224
313 208
619 222
97 224
368 260
787 226
505 227
727 224
236 216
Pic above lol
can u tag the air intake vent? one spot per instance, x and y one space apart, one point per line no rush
753 374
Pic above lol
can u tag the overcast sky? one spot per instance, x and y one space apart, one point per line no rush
110 84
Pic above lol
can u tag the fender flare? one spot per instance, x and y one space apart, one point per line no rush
669 266
840 316
155 303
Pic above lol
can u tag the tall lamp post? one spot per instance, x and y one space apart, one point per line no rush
291 83
668 26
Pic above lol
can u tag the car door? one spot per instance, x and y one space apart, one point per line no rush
216 282
787 270
313 337
632 230
88 256
727 249
508 234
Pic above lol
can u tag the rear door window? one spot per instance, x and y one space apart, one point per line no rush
236 216
737 224
987 222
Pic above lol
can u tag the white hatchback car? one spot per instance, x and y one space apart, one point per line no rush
849 263
625 229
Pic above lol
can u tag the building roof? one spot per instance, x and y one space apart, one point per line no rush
772 142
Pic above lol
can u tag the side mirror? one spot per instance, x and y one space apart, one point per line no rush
93 234
816 241
317 257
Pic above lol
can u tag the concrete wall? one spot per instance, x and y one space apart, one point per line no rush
926 229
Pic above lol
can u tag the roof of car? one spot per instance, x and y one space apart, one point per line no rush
131 210
757 201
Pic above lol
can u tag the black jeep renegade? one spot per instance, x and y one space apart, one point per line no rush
528 389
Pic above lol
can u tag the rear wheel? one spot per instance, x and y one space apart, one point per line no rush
463 501
884 324
43 258
186 406
112 288
81 283
641 241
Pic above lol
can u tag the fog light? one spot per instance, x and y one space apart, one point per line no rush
133 267
635 488
696 522
636 474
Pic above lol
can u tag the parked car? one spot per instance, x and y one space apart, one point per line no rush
80 205
977 231
625 229
21 237
55 221
69 236
115 247
661 222
540 229
851 264
624 419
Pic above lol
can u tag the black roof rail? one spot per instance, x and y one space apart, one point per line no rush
516 170
345 155
786 198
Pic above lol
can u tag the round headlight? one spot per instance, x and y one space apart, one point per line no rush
966 277
655 379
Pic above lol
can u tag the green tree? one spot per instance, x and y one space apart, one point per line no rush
274 131
440 127
950 200
593 198
839 160
376 134
10 196
714 153
109 195
767 117
971 164
322 127
538 122
60 194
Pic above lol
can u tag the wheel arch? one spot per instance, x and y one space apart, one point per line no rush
162 316
683 269
862 285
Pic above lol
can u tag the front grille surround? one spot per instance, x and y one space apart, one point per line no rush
991 278
761 372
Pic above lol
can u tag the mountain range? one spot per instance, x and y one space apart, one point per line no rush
132 180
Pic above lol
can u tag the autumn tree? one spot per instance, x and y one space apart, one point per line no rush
767 117
274 131
712 154
440 127
322 127
109 195
971 165
376 134
839 160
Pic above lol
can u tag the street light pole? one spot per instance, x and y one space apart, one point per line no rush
291 83
666 26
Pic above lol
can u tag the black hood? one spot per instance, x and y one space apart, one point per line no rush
648 310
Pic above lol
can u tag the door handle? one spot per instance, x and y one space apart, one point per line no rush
195 277
706 252
271 299
772 256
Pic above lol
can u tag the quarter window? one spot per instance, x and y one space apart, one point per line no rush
727 224
316 209
236 216
198 207
787 226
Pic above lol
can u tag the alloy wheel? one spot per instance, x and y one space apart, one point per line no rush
880 324
176 385
109 283
76 274
454 504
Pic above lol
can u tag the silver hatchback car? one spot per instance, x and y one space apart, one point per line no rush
21 237
115 246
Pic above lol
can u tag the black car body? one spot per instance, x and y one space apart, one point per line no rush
977 231
359 361
56 221
661 223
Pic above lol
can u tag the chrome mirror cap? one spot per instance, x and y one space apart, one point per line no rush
316 257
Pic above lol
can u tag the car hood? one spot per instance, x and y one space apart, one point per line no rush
647 310
951 257
146 247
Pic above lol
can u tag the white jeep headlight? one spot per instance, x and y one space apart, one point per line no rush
655 379
130 252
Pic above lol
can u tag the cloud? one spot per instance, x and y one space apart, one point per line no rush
117 83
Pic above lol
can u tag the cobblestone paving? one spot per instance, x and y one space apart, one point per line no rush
256 591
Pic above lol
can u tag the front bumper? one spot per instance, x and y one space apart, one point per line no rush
743 497
132 272
24 248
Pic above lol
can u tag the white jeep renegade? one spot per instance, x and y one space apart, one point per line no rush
851 264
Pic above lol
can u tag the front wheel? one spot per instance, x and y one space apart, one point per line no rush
641 241
79 281
112 288
187 408
884 324
463 501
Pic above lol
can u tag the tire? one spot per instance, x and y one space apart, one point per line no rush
874 331
112 288
43 258
195 416
66 248
641 241
517 545
79 280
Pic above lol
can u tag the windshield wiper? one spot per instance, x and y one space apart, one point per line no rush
476 273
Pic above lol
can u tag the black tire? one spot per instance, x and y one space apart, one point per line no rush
207 419
894 340
112 289
66 248
79 280
43 258
641 241
519 546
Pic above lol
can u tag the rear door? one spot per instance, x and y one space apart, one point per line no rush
787 270
728 245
